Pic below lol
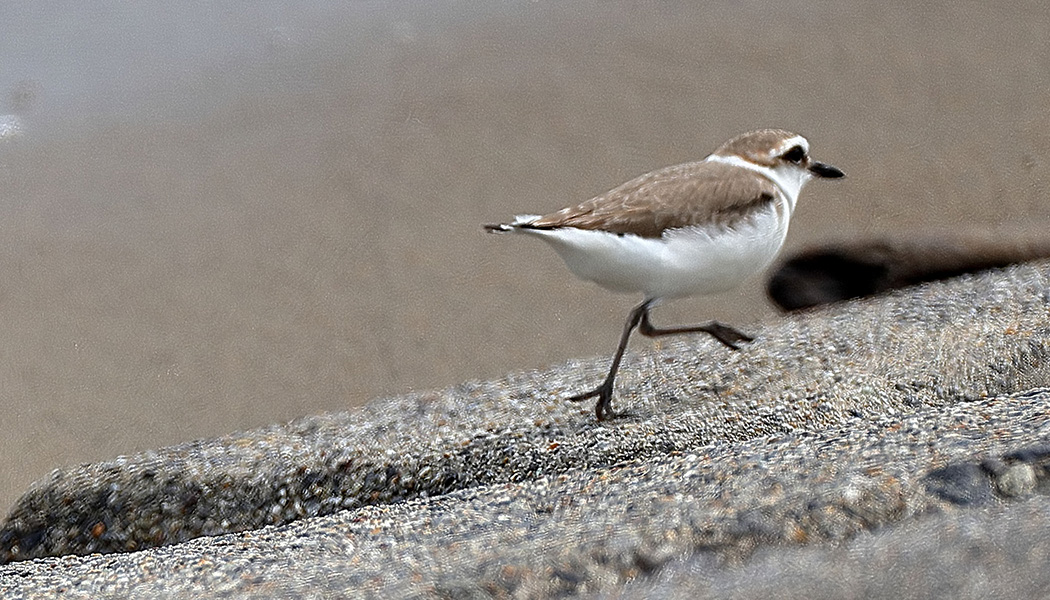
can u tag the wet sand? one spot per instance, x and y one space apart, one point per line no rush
295 227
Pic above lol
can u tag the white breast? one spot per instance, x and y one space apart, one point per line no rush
684 262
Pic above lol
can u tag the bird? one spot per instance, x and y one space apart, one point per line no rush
691 229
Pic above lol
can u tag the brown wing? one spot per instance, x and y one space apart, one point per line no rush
669 198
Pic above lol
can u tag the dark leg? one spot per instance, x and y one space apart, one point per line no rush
603 408
723 333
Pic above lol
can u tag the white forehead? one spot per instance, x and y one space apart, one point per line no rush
782 147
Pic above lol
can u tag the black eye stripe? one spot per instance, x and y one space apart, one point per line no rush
794 154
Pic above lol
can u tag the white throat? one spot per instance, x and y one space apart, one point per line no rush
789 179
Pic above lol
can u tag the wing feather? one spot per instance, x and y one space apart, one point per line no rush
669 198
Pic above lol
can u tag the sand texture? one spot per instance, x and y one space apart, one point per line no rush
214 220
898 441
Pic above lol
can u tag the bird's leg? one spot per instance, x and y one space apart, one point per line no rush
723 333
603 408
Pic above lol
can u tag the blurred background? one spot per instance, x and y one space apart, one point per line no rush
220 215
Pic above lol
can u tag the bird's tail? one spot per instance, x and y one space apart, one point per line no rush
519 222
498 227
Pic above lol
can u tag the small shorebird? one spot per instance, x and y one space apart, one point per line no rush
691 229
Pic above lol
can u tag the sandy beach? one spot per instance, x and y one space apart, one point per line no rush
215 222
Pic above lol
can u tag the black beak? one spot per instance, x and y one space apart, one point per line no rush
826 171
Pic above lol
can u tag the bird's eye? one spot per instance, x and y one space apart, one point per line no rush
794 155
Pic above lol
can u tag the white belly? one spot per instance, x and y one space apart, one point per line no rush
686 262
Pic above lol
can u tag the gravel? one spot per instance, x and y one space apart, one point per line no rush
838 433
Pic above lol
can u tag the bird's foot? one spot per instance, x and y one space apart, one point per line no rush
603 408
727 335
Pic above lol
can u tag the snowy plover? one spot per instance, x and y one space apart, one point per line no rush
696 228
